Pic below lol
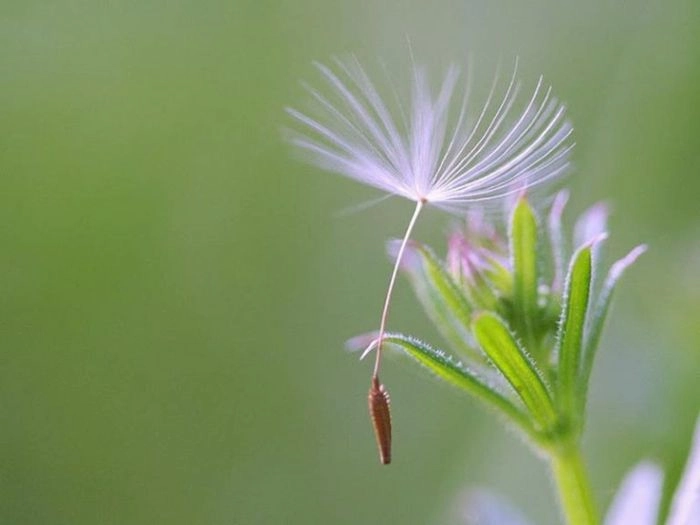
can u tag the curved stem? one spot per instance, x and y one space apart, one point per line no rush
573 485
392 282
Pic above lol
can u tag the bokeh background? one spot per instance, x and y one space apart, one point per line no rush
175 287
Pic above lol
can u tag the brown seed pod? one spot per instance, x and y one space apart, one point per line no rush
381 419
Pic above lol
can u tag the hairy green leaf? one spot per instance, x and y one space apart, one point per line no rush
571 327
445 304
499 344
455 373
599 314
523 240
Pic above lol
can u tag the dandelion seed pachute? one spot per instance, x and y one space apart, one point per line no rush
446 148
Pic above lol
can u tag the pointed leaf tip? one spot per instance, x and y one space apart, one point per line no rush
369 348
621 265
557 209
365 342
596 322
593 243
591 223
597 239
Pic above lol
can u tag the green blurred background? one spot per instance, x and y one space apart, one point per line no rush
176 287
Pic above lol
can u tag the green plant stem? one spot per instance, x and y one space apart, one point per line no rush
573 485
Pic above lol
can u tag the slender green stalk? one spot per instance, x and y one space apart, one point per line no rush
573 486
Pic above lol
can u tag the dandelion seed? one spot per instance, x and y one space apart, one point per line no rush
441 152
378 400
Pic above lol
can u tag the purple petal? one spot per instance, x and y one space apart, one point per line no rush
637 500
556 238
361 342
685 508
591 223
621 265
484 507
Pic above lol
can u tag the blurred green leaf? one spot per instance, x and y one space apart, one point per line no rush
556 239
497 341
499 276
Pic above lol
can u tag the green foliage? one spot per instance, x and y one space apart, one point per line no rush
443 301
515 326
594 329
573 320
511 324
457 374
496 340
523 243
